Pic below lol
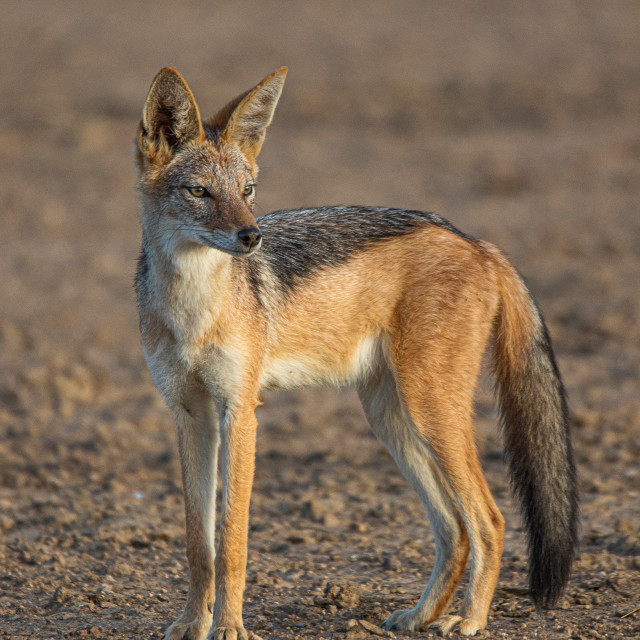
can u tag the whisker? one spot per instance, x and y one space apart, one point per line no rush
184 227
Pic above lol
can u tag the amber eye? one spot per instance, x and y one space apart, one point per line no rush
198 192
249 190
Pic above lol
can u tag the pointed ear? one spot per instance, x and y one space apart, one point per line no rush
244 121
170 117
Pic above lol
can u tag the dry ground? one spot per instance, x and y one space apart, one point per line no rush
520 122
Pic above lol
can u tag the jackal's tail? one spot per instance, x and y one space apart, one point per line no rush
536 432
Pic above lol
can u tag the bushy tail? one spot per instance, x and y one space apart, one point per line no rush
537 442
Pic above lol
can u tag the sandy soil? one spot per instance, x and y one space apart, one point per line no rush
520 122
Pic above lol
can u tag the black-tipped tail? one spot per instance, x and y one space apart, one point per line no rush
537 442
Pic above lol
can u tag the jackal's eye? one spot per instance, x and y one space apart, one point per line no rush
249 190
198 192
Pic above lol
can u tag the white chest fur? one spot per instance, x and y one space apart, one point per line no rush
191 291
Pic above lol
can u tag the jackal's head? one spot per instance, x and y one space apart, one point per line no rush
197 178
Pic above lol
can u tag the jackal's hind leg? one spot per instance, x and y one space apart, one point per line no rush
444 427
390 423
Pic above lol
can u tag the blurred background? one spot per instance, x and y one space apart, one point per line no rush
518 122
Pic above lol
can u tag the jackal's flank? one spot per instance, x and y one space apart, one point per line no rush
399 303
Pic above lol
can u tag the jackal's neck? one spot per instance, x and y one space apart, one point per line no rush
190 285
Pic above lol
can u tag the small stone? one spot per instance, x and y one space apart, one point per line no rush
6 523
296 539
390 564
377 631
340 596
122 569
60 596
625 526
330 520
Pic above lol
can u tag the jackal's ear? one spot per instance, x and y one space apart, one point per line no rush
170 117
244 121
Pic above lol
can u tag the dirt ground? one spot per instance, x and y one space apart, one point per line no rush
519 122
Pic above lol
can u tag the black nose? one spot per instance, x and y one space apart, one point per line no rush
250 237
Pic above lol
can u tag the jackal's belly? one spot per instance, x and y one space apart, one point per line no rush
325 365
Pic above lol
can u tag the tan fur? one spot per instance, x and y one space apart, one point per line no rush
406 319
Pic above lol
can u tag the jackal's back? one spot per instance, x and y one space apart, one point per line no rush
298 243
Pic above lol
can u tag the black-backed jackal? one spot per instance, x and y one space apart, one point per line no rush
399 303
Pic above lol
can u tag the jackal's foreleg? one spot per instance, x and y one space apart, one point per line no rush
238 431
198 442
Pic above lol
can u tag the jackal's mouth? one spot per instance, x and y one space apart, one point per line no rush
230 245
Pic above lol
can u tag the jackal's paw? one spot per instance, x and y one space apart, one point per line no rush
234 633
466 626
195 629
404 620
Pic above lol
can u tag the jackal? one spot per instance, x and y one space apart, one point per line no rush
399 303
